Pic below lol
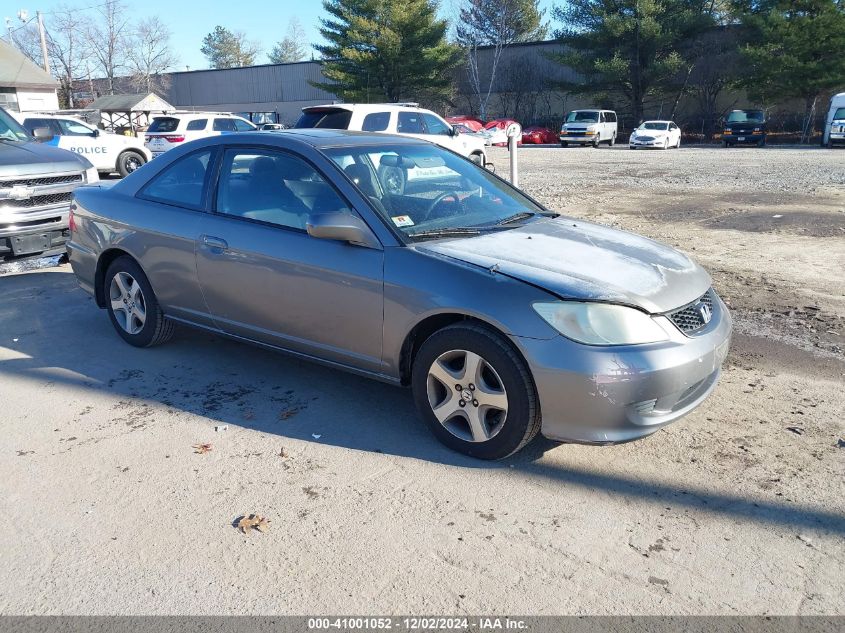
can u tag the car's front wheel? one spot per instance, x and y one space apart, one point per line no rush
475 392
132 305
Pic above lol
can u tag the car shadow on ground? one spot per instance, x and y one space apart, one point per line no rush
52 332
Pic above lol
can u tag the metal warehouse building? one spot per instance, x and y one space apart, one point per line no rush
282 88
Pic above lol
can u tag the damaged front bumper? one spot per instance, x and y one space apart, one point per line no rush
608 395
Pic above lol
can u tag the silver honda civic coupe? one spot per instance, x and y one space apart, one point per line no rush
399 260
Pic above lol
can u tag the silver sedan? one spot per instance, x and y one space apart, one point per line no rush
402 261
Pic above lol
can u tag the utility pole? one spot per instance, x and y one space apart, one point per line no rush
9 28
43 42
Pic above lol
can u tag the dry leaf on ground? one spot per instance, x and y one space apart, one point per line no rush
260 523
201 449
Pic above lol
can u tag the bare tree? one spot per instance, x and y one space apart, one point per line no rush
149 55
494 24
293 47
107 37
28 42
67 48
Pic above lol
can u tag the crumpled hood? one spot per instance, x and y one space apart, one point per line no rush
580 260
23 159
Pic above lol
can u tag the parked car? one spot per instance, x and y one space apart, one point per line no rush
473 123
745 126
271 127
536 135
589 127
107 152
36 181
406 119
834 128
504 318
660 134
167 132
495 131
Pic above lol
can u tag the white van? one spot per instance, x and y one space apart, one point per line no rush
834 123
589 127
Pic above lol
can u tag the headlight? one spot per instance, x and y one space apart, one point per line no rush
601 323
92 175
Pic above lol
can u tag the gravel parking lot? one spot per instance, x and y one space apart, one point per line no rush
737 509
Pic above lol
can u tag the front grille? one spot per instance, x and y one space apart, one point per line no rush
648 139
38 201
691 317
40 182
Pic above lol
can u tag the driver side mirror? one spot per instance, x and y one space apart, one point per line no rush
454 131
95 133
343 227
42 134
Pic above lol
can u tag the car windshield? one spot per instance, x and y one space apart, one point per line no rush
427 192
839 114
746 116
654 125
11 130
582 117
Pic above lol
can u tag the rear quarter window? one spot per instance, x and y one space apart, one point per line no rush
196 124
164 124
376 122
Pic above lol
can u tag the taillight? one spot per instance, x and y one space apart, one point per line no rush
71 222
174 139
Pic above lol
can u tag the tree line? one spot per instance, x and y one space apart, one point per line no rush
628 54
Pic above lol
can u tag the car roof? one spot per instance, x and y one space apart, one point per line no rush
657 121
364 107
321 138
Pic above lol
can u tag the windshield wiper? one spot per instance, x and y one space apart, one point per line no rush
524 215
447 232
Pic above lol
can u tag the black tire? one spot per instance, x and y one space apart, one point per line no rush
522 420
725 144
563 144
761 143
156 328
597 142
612 141
477 158
129 161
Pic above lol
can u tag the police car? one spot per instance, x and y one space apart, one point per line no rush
107 152
167 132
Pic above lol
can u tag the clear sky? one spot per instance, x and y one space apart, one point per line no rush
190 20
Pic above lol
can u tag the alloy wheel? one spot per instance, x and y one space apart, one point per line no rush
131 163
127 302
467 396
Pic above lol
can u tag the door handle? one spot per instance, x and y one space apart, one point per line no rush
215 243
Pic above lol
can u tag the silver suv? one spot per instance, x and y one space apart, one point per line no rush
36 181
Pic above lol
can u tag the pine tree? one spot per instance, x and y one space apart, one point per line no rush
226 49
386 50
629 48
795 49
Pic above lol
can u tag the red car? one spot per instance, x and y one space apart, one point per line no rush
536 135
471 122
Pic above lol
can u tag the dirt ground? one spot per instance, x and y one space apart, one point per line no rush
737 509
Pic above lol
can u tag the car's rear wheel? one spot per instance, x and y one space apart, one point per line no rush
128 162
475 392
612 140
132 305
477 158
